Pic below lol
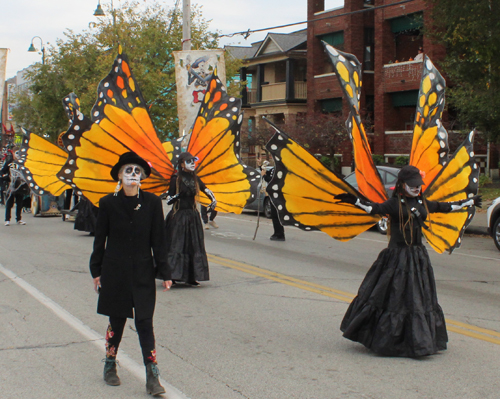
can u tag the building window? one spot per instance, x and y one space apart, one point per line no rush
404 98
335 39
407 35
369 47
407 23
331 105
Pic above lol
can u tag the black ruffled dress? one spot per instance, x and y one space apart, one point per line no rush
396 311
186 255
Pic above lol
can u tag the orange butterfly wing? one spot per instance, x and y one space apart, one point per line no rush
92 152
121 112
457 180
429 150
348 71
302 191
39 164
215 140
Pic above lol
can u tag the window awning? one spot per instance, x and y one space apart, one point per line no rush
404 98
407 23
331 105
334 39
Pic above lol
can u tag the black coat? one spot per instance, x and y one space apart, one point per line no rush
129 232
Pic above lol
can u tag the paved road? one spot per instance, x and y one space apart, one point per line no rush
264 327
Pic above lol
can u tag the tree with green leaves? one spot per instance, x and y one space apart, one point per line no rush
149 34
470 33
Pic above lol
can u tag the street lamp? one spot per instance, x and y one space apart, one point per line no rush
99 12
33 49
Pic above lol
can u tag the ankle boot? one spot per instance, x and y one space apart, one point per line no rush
153 386
110 376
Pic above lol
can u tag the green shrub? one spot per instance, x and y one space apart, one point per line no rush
378 159
327 162
484 180
402 160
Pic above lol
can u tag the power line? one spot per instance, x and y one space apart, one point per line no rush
247 33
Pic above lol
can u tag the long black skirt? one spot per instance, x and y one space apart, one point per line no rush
86 218
186 255
396 312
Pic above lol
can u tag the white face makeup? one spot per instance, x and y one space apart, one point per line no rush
190 164
131 175
412 191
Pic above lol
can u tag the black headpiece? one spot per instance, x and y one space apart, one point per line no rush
128 158
410 175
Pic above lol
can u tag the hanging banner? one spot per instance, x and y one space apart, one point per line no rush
193 69
3 66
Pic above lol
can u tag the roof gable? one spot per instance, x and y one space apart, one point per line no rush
281 42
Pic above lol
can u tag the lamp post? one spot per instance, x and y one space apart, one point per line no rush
99 12
33 49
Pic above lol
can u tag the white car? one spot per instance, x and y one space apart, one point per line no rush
493 217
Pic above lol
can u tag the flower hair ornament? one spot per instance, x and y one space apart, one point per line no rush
117 188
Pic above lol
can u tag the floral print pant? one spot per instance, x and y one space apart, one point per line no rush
146 338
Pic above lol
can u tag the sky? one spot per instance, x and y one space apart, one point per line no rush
22 20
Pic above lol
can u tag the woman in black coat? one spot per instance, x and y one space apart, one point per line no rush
396 311
129 242
186 255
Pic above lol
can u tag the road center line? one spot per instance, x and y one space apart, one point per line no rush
125 361
458 327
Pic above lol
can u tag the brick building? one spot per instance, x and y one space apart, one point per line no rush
291 75
385 35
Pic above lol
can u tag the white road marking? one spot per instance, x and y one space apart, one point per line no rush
125 361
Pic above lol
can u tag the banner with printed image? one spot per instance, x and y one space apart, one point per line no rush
193 69
3 67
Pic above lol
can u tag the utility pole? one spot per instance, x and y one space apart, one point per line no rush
186 25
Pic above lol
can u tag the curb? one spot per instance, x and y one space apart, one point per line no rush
477 230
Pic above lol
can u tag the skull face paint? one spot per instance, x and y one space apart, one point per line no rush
190 164
131 175
412 191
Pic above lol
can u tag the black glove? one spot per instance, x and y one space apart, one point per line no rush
171 200
478 201
347 198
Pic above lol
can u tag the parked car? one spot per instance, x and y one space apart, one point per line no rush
262 203
389 175
493 217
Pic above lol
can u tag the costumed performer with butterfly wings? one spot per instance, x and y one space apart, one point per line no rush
129 229
186 253
396 311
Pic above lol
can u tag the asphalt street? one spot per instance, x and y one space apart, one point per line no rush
266 325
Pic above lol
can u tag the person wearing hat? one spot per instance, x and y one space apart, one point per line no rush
396 311
129 250
17 189
186 253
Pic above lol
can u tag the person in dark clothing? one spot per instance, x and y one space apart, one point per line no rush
279 230
206 220
86 216
17 188
129 242
396 311
186 255
6 157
